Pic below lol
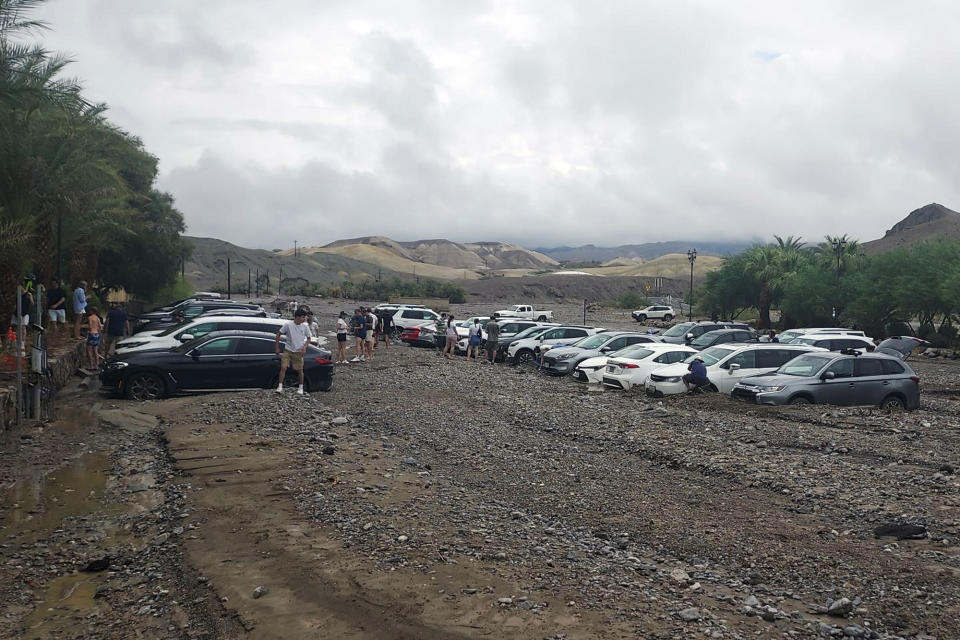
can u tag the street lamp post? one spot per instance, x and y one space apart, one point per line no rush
228 277
692 257
838 246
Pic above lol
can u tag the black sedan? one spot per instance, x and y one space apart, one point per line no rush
216 362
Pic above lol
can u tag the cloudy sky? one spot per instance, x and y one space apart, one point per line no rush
539 122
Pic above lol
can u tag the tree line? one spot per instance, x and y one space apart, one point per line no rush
77 194
834 283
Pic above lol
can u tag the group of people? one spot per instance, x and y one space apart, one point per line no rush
112 327
475 333
368 329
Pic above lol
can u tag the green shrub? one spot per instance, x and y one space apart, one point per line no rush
632 300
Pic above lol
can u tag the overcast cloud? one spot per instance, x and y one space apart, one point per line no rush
543 123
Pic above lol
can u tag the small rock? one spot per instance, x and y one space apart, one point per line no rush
339 420
329 450
259 591
505 601
751 601
840 607
402 538
680 576
690 614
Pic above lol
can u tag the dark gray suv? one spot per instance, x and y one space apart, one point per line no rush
849 378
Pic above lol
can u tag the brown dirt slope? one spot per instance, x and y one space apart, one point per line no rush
926 223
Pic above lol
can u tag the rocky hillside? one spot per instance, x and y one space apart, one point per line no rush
207 267
646 251
437 258
928 222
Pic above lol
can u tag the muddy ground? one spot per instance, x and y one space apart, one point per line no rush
423 498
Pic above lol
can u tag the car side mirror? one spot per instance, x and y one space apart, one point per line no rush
606 350
734 367
689 336
186 337
828 375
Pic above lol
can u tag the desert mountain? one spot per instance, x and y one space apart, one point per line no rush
647 251
671 265
928 222
207 267
437 258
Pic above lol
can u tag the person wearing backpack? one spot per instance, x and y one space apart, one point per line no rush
473 341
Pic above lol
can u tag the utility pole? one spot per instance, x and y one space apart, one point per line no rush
228 278
838 246
258 282
249 274
280 281
60 249
692 257
295 248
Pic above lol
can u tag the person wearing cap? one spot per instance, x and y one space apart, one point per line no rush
296 339
697 376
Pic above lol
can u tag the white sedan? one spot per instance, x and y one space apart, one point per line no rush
591 370
633 369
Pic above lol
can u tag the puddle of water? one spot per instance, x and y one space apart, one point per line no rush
34 507
65 595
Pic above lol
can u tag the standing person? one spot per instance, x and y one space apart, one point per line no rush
296 339
342 338
293 308
473 341
386 327
360 331
313 325
371 319
94 327
493 336
441 336
451 338
56 306
79 307
117 326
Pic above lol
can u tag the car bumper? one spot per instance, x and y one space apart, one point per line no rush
664 388
557 367
615 382
592 376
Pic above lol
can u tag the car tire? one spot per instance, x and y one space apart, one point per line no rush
145 386
667 317
542 319
524 356
800 400
641 318
894 403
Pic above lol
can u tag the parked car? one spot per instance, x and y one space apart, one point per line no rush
684 332
654 312
423 335
591 370
510 327
563 360
524 311
901 346
239 312
158 321
844 379
196 328
527 350
722 336
200 295
217 362
463 332
627 369
790 335
413 317
836 341
726 365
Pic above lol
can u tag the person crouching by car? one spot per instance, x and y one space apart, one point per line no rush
697 376
296 338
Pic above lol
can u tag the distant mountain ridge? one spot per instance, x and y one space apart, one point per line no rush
928 222
647 251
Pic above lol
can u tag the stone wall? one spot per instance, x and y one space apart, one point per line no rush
63 364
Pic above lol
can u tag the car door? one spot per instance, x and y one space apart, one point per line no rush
872 385
211 365
260 362
730 375
841 390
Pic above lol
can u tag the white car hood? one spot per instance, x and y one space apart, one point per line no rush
599 361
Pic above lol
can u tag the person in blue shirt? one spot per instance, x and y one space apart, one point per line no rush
79 307
697 376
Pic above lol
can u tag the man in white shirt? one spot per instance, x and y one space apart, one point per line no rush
296 339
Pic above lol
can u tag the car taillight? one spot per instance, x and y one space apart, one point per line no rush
627 365
323 361
915 379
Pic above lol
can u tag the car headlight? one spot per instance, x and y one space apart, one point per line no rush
563 356
117 365
672 379
768 389
588 368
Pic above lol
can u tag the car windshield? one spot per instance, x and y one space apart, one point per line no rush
809 341
703 340
805 365
592 342
678 330
633 352
175 327
710 356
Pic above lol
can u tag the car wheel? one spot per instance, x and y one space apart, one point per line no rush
893 403
667 317
641 318
524 356
800 400
542 319
145 386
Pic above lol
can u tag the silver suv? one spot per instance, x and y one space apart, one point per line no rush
846 379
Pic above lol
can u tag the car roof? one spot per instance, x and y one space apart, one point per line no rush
750 346
834 336
229 317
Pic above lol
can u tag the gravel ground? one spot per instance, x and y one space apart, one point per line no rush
490 501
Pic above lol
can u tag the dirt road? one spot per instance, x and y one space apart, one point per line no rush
430 499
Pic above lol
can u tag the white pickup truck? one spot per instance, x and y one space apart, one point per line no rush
524 311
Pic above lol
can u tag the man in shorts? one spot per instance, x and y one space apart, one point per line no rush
493 336
296 339
117 326
56 306
79 307
360 331
371 321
